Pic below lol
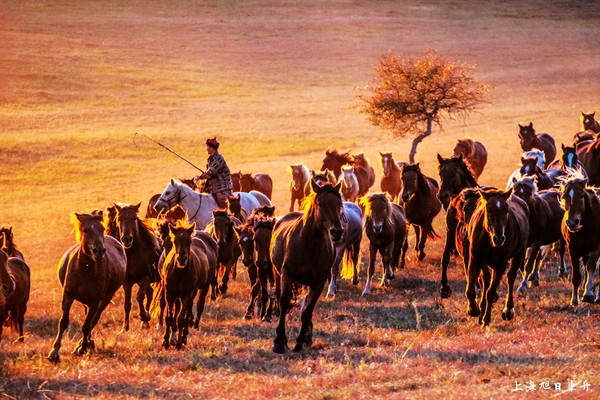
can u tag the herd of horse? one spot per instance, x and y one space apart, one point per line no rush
185 243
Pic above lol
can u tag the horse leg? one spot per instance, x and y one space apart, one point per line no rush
200 305
168 324
335 269
417 229
590 269
371 270
483 301
575 277
534 252
305 335
509 308
388 271
225 279
354 256
127 304
266 306
183 320
67 302
422 239
280 342
21 319
449 247
86 329
141 295
254 284
472 276
491 293
562 270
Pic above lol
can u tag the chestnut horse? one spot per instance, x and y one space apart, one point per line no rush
391 181
236 180
588 122
386 228
300 178
589 155
530 140
143 251
421 204
259 182
302 252
498 231
360 160
15 284
580 231
7 241
474 154
334 161
90 272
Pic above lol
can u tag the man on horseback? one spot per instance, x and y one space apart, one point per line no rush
217 175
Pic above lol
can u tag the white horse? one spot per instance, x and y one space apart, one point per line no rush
197 206
349 190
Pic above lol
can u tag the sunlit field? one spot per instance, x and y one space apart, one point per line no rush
275 82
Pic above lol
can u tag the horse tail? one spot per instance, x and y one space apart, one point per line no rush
348 263
157 298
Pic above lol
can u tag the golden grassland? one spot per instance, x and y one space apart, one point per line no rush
274 81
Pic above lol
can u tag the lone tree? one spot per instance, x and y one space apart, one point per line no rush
409 94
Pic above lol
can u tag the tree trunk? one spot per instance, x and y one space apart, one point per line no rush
417 140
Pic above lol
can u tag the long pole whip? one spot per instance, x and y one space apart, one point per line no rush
168 149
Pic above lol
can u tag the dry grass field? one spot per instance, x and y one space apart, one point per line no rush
275 82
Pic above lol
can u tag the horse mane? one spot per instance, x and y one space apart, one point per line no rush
463 167
421 180
343 158
367 202
361 156
309 201
10 244
87 217
468 143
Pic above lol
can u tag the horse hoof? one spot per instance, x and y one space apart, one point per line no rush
507 314
355 281
298 348
445 292
279 348
390 276
473 312
125 328
145 325
421 255
53 357
248 316
534 283
588 298
222 288
522 289
166 344
266 319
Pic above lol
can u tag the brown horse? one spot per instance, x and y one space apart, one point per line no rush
360 160
236 179
529 167
588 122
302 252
421 204
335 160
474 154
143 250
234 207
15 283
321 177
589 155
498 232
186 269
222 229
259 182
580 231
7 241
582 137
300 177
391 181
90 272
568 160
530 140
386 228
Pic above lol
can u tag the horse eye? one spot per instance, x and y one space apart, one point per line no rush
5 287
85 230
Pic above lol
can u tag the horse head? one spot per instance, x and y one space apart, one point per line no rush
247 182
455 176
263 230
299 177
89 231
573 194
569 156
224 227
127 223
325 206
495 214
463 147
527 136
588 122
334 160
529 166
181 238
525 188
378 209
387 163
234 204
169 198
412 179
246 234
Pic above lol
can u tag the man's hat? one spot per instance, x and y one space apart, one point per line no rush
213 143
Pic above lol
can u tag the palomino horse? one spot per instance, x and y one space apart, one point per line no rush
350 188
259 182
7 241
360 160
302 252
474 154
222 229
421 204
498 232
197 206
545 219
588 122
589 155
300 177
143 250
90 272
186 269
580 231
530 140
347 249
391 181
15 283
455 176
386 228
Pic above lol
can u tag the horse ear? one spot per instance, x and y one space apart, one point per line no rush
460 157
80 217
172 181
192 228
593 114
514 180
507 194
116 207
440 158
531 124
522 160
338 186
562 146
314 185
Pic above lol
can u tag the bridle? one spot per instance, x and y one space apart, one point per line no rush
171 201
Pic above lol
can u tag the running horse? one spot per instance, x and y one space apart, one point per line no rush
223 229
421 204
498 231
530 140
15 285
7 241
90 272
259 182
335 160
300 178
589 155
391 179
302 252
568 161
360 160
474 154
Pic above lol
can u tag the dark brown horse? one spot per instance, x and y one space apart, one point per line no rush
455 176
234 207
321 177
588 122
143 250
386 228
222 229
90 272
589 155
545 219
421 204
15 283
259 182
530 140
7 241
302 252
391 181
529 167
335 160
300 177
582 137
474 154
498 231
186 269
360 160
580 231
568 161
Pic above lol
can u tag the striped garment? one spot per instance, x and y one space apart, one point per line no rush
220 176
